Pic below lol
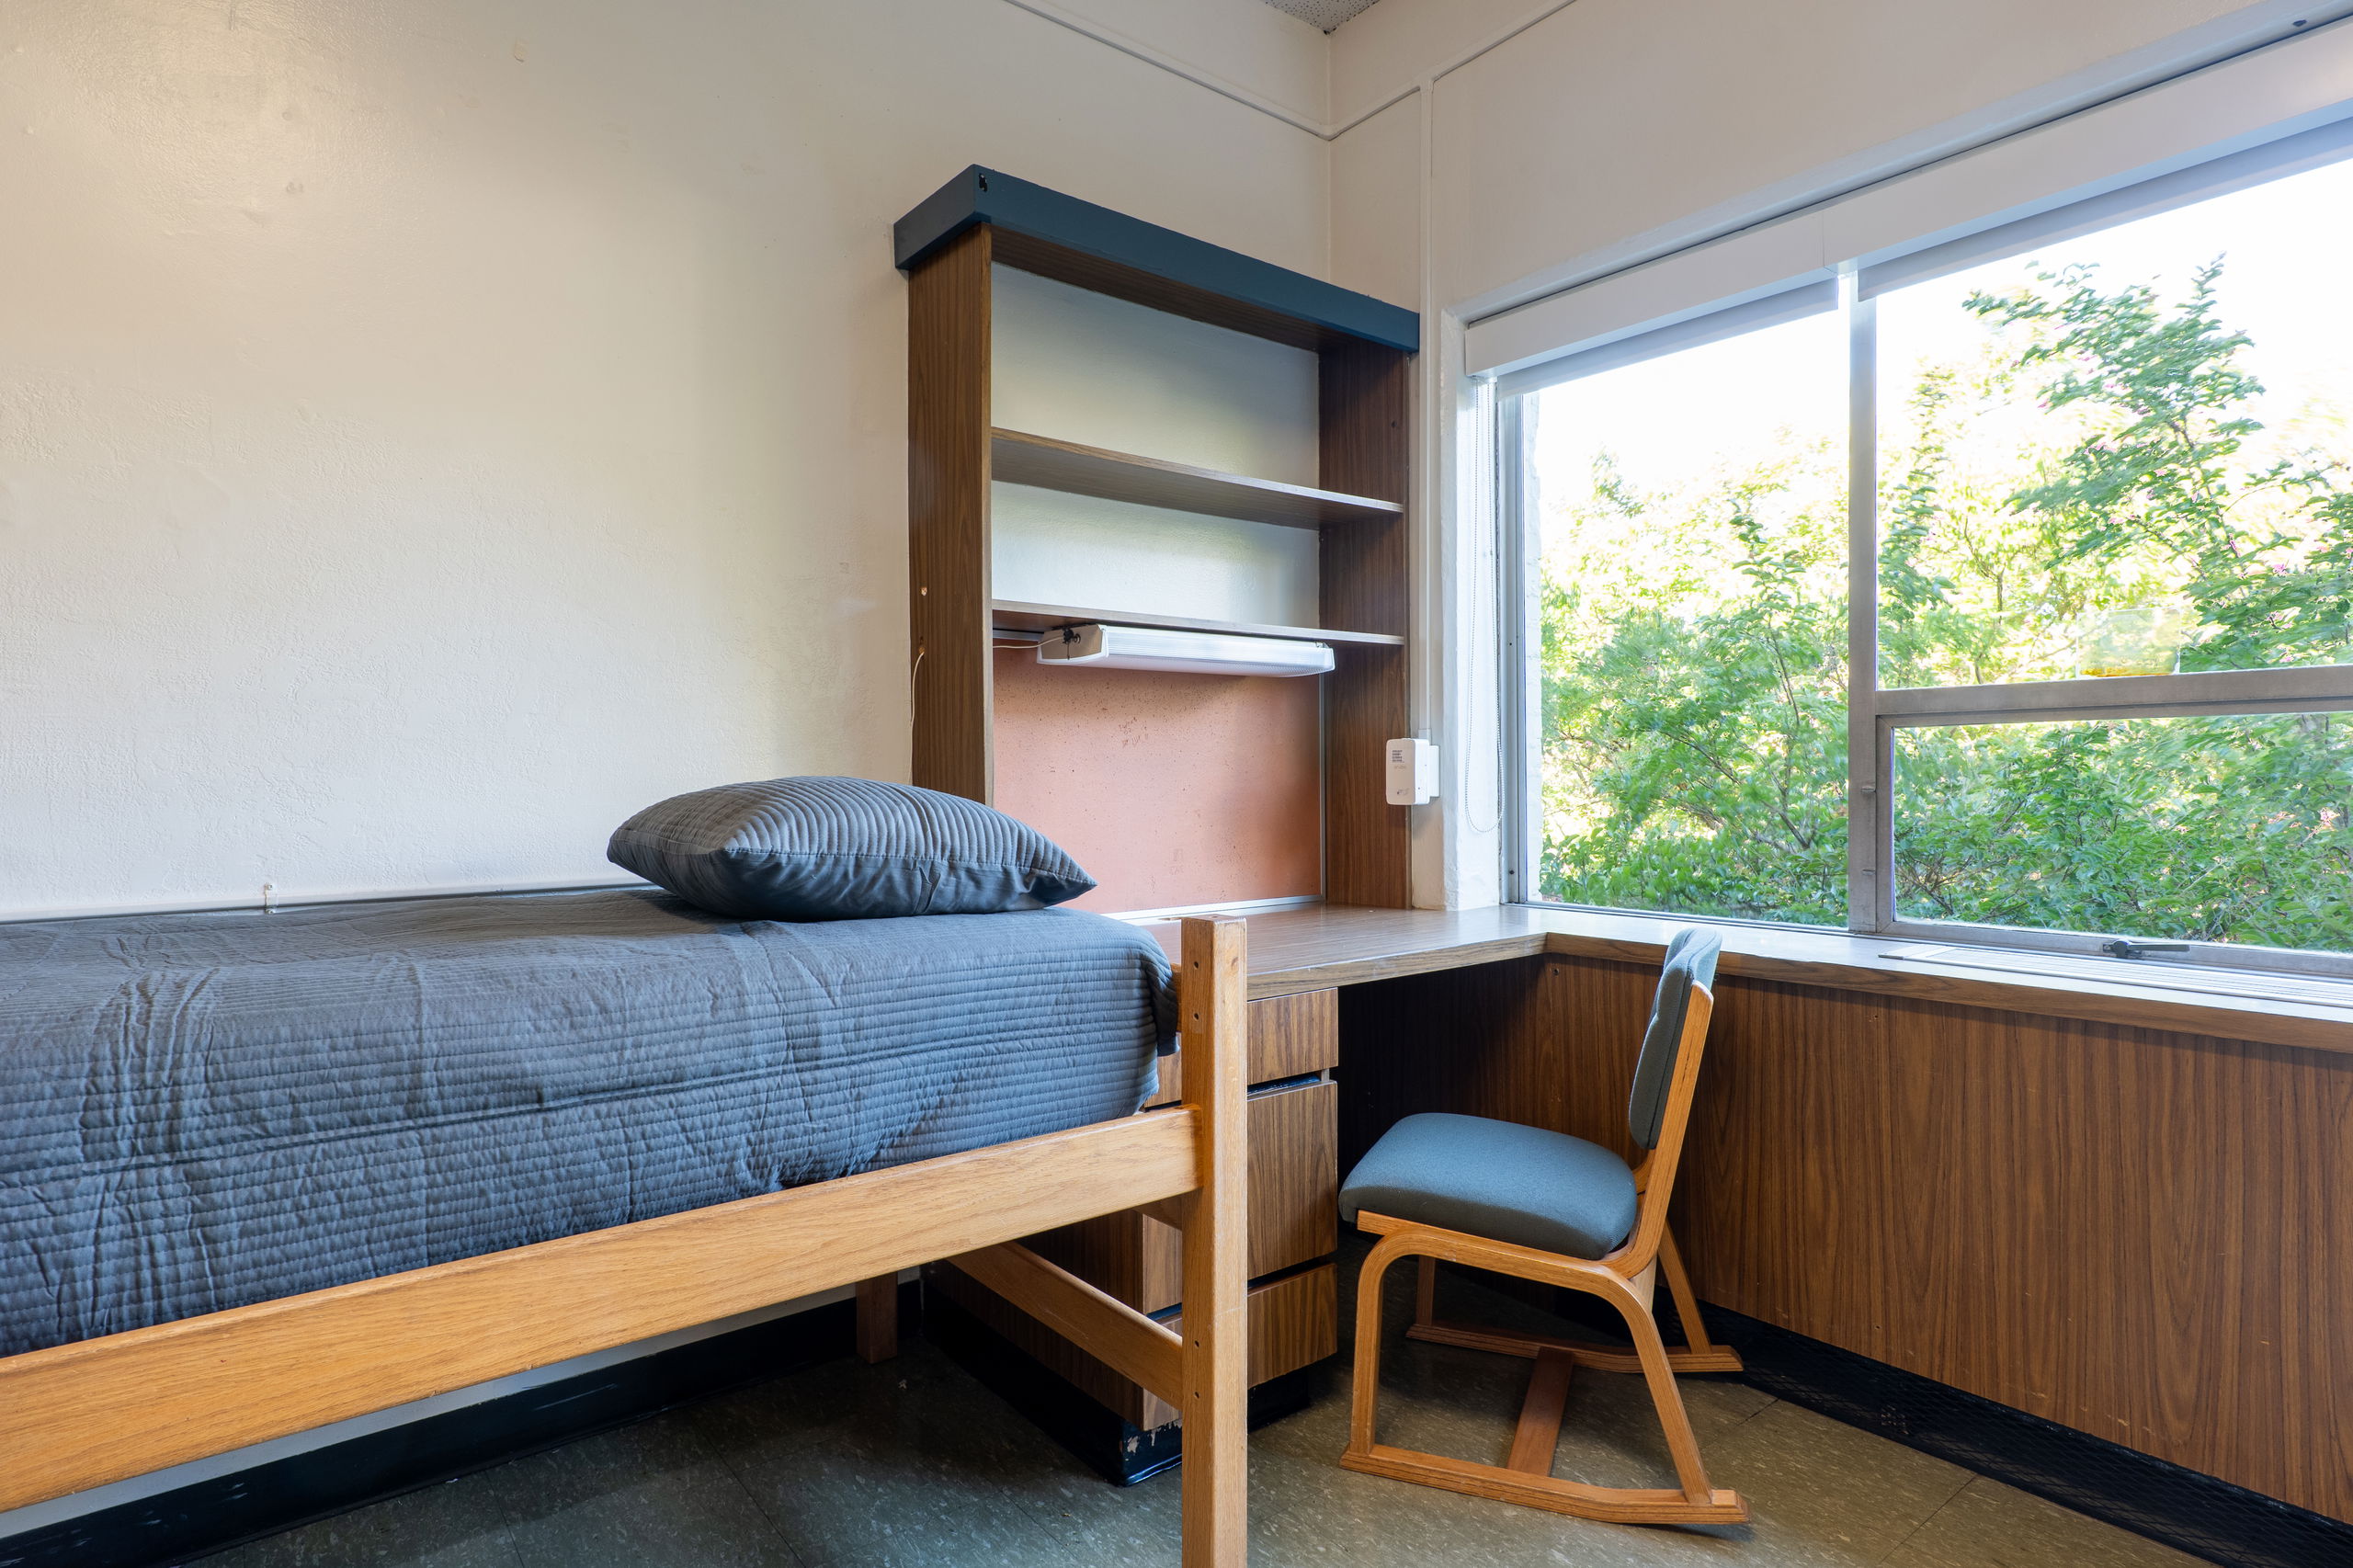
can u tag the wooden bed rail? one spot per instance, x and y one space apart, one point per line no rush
98 1409
79 1415
1101 1324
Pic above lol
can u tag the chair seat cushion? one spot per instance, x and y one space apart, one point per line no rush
1499 1180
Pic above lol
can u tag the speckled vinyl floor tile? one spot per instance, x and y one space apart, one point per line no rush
914 1462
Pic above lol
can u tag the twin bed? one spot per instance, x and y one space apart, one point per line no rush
263 1172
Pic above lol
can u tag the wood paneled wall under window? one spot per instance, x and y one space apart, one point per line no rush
2135 1233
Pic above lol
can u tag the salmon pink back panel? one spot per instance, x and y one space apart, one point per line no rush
1170 789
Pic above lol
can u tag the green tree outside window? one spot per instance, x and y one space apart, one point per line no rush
1694 702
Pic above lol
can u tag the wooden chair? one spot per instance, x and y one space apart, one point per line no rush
1546 1207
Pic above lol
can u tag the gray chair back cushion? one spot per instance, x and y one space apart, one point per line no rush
843 850
1690 960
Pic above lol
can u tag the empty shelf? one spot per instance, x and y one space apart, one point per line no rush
1048 465
1044 617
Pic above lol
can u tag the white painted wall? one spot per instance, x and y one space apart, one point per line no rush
1253 51
1567 138
1615 127
1376 181
1380 54
430 432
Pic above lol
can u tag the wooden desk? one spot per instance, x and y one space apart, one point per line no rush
1324 946
2100 1201
2112 1204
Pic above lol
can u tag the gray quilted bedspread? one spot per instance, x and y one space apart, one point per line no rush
200 1111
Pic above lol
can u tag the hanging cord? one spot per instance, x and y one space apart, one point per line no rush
916 668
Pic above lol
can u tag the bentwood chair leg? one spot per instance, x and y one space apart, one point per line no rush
1364 1397
1698 1352
1682 1442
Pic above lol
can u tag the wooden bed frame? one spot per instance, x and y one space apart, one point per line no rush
79 1415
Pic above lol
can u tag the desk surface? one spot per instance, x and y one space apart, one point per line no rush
1320 946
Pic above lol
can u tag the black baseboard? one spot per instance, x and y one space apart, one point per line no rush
2183 1508
1121 1452
213 1516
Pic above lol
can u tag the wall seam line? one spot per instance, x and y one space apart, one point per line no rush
1200 77
1429 79
1326 129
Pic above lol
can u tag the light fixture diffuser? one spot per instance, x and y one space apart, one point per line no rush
1191 653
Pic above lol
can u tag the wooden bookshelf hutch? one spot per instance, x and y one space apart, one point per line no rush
1363 348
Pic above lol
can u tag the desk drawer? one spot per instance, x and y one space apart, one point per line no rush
1294 1322
1294 1207
1294 1193
1289 1036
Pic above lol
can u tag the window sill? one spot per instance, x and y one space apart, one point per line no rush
2215 1002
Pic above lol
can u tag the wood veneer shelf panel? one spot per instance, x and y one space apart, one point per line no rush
1050 464
1017 616
1356 501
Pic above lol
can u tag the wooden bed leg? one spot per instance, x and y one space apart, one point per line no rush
1215 990
878 1318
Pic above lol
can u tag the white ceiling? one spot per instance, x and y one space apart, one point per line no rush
1324 14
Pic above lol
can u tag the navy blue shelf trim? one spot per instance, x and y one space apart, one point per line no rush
984 196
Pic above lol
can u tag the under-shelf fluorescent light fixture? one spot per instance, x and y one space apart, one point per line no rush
1195 652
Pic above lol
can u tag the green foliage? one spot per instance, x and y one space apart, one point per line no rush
2214 829
2261 553
2091 493
1698 727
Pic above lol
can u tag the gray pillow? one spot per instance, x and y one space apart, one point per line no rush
842 849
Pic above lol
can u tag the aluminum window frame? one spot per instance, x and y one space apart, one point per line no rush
1519 623
1874 712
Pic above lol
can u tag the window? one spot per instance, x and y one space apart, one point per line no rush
1691 601
2003 597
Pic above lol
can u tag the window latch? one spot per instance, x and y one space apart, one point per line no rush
2123 949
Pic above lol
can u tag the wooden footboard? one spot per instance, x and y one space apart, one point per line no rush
79 1415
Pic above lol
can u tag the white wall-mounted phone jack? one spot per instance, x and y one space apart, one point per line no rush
1413 772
